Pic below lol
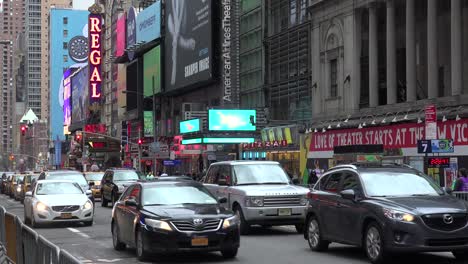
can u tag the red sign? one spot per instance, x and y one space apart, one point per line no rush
394 136
95 57
431 113
96 128
431 122
265 144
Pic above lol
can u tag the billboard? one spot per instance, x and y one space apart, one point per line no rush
190 126
231 120
131 30
148 123
66 98
152 72
188 43
121 86
79 87
120 35
95 58
149 23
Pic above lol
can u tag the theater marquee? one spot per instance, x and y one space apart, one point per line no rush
95 57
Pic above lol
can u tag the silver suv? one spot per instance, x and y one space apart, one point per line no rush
259 192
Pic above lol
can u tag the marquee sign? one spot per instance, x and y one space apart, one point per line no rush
95 57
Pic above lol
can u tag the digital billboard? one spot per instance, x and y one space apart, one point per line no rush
66 98
188 43
152 72
231 120
148 123
79 87
120 35
190 126
149 23
131 30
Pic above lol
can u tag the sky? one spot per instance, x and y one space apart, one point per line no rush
82 4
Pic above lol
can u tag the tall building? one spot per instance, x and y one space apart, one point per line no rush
12 18
19 88
37 63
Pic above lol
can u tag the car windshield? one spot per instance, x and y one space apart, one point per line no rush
260 174
398 184
54 188
78 178
94 176
19 178
126 176
177 195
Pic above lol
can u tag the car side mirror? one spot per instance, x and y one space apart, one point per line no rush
348 194
28 194
131 202
448 190
222 182
222 200
88 192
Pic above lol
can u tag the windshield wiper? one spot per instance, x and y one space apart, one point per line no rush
153 204
252 183
421 194
379 196
273 183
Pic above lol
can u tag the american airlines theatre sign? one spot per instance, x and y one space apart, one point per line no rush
95 54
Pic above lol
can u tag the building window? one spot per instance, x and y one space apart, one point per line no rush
333 78
65 33
65 45
65 20
65 58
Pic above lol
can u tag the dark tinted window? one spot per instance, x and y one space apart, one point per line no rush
225 173
321 183
126 194
211 177
350 182
333 183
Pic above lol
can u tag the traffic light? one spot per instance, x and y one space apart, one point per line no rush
78 136
23 130
140 141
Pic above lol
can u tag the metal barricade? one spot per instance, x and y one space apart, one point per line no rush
29 239
67 258
461 195
2 225
47 252
10 235
4 259
19 241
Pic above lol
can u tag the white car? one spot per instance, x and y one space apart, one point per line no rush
53 201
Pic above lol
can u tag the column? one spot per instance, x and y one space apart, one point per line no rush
456 46
410 52
356 77
432 58
391 54
373 58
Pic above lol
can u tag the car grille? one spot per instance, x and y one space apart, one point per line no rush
436 221
273 201
447 242
65 208
207 225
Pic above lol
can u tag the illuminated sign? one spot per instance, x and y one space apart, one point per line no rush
190 126
66 99
231 120
192 141
217 141
435 146
438 162
95 58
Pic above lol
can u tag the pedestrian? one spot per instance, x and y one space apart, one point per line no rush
94 167
312 178
461 185
150 176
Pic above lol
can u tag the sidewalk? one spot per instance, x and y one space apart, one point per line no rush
3 257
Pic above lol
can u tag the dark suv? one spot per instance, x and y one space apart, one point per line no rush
115 181
385 209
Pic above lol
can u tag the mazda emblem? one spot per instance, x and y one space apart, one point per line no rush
197 221
448 219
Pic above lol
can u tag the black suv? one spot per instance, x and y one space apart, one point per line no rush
385 209
115 181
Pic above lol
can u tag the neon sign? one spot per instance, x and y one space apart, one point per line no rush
95 57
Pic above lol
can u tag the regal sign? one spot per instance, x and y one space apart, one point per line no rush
95 58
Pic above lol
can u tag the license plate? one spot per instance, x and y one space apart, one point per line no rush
66 215
199 241
284 211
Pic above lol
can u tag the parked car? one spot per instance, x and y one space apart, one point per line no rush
115 181
172 216
94 182
260 192
385 209
71 175
53 201
27 185
18 186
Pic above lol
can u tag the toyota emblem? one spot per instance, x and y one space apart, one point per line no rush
197 221
448 219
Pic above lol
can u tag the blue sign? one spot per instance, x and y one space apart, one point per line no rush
148 26
190 126
131 30
231 120
171 162
435 146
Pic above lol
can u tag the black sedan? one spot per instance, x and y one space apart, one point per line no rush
173 216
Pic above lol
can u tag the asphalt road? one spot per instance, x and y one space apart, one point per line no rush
280 245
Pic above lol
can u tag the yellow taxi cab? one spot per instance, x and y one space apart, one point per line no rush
94 180
27 185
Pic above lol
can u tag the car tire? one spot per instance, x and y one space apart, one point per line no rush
460 255
314 236
103 201
88 223
229 253
141 253
300 228
374 243
118 245
244 226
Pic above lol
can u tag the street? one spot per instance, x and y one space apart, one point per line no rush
275 245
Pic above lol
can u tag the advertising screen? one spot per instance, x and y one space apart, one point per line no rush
149 23
120 35
66 98
148 123
231 120
79 87
190 126
152 72
188 43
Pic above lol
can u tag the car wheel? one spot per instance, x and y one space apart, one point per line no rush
142 254
118 245
300 228
229 253
374 244
103 201
460 255
314 236
244 226
88 223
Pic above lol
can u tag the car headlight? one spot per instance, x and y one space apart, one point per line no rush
231 221
304 200
158 224
254 201
88 205
41 207
18 189
398 215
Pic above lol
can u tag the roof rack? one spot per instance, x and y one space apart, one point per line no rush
344 166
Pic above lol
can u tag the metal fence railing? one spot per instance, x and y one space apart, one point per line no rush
20 244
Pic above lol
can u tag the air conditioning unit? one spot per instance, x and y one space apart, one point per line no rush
189 107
